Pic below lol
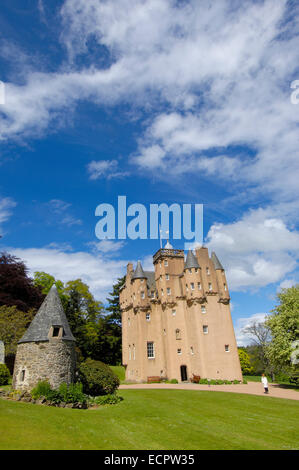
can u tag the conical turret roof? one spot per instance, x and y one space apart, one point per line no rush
50 314
139 273
216 262
191 261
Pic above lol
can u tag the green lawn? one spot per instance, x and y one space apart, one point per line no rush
156 419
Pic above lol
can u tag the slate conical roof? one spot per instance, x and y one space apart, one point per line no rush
216 262
139 273
50 313
191 261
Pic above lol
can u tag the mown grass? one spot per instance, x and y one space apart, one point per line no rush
156 419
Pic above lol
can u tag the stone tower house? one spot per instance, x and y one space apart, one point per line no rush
176 320
47 349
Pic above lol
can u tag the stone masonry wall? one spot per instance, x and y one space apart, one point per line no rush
53 360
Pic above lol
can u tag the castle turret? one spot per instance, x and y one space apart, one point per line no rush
47 349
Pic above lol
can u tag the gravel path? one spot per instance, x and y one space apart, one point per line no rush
252 388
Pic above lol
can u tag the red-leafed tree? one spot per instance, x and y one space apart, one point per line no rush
16 287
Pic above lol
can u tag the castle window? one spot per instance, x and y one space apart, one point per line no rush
148 316
167 277
23 375
56 330
178 334
190 270
134 352
142 280
205 329
150 350
179 351
162 293
129 321
208 271
199 285
191 350
196 270
210 287
168 291
226 347
130 353
142 295
152 295
203 309
173 313
225 288
166 263
192 285
187 287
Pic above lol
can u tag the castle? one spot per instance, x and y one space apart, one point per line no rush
47 349
176 319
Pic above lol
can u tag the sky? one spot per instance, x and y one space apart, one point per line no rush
161 101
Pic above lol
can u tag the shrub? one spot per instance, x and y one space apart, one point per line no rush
65 393
72 393
174 381
42 389
97 378
4 374
111 399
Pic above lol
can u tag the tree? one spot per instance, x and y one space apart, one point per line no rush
260 335
16 287
45 281
113 301
13 324
245 363
284 327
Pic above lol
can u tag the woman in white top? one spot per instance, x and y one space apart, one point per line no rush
265 383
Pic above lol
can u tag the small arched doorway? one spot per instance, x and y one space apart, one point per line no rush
184 376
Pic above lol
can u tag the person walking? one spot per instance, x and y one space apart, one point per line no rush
265 383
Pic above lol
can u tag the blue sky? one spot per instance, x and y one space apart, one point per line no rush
163 102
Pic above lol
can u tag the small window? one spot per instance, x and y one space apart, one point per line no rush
208 271
226 347
142 280
150 350
134 352
56 330
23 375
199 286
196 270
168 291
179 351
190 270
167 277
191 350
166 262
129 321
178 334
192 285
152 295
173 313
162 293
205 329
210 287
142 295
225 287
130 353
187 287
203 309
148 316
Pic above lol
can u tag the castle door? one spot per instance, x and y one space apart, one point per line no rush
184 373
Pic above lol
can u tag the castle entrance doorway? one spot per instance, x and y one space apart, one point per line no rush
184 373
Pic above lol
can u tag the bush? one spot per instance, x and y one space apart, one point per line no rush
4 374
106 400
64 394
42 389
97 378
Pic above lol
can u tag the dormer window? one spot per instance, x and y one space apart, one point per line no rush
56 331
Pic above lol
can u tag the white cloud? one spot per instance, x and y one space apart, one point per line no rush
6 206
256 250
109 247
98 272
107 169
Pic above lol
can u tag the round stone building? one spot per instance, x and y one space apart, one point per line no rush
47 349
